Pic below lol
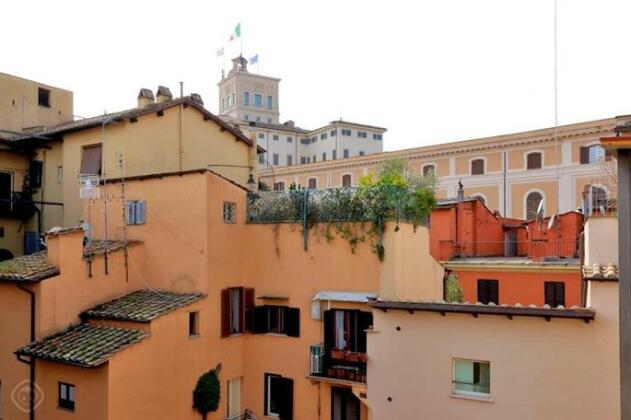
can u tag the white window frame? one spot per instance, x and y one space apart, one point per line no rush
474 394
529 152
268 390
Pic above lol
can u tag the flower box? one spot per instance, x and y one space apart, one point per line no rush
337 354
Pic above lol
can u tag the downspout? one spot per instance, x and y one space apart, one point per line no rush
504 182
31 362
181 130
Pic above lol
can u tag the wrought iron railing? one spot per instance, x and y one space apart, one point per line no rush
19 206
338 364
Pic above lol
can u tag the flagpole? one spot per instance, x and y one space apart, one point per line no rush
241 38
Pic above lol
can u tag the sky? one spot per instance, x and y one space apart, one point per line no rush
430 71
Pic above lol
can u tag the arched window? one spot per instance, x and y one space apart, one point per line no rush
599 198
593 154
534 160
479 197
279 186
346 180
532 204
312 183
429 170
477 167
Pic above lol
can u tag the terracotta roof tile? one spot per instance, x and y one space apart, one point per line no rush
34 267
142 306
83 345
600 271
97 246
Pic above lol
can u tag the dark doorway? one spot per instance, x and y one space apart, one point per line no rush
6 187
344 405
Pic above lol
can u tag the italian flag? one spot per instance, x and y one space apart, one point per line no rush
236 33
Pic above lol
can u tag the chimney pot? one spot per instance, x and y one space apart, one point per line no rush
163 94
145 97
196 97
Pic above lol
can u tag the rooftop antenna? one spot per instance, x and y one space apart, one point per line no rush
556 111
121 165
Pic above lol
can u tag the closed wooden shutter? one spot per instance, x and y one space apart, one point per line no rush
259 319
248 306
291 321
364 321
494 292
584 154
329 329
477 167
225 312
286 399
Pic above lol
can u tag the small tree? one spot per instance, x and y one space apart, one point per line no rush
207 392
453 290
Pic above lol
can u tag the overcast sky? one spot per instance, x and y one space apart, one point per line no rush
429 71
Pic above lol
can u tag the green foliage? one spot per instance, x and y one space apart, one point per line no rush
207 393
453 290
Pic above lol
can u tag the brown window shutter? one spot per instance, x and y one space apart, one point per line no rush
584 155
225 312
248 309
91 160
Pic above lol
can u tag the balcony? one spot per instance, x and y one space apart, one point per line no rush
337 365
537 249
19 206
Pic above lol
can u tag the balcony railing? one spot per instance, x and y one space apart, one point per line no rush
19 206
338 364
535 249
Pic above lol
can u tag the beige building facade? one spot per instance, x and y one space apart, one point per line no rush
567 168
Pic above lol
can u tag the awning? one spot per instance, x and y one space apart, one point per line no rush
328 295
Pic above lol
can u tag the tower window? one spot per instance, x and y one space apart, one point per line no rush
246 98
43 97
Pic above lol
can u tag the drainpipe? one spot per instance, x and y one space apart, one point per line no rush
31 362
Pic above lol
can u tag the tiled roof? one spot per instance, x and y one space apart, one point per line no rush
142 306
97 246
83 345
598 271
34 267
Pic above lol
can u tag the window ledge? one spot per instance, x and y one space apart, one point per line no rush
472 398
276 335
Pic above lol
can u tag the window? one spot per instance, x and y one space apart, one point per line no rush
344 404
303 160
290 139
247 117
308 159
534 160
323 136
346 132
258 119
477 167
262 135
279 186
246 99
60 174
314 139
279 397
377 136
312 183
66 396
554 292
193 324
276 320
471 377
270 102
234 398
333 133
599 198
289 160
6 190
532 204
488 291
258 100
362 134
269 120
323 156
261 158
346 180
314 159
236 307
275 159
361 153
135 212
346 153
229 212
334 153
346 329
593 154
275 137
91 160
43 97
429 170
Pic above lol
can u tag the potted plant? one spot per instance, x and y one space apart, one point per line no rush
331 373
337 354
341 373
351 375
363 357
352 356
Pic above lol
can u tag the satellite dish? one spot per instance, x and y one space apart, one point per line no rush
551 222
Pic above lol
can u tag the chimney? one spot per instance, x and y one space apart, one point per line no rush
196 97
289 123
253 185
163 94
145 97
460 192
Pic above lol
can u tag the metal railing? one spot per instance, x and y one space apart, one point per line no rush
337 364
566 248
